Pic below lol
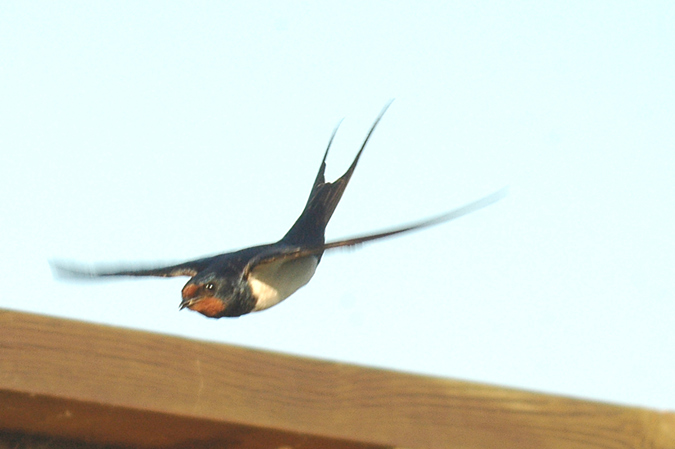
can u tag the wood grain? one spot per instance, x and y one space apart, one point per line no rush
149 375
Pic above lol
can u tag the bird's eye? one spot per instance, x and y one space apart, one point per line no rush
209 287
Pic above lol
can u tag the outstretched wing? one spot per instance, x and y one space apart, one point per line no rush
69 270
295 252
452 215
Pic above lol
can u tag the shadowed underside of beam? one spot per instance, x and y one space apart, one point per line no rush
115 386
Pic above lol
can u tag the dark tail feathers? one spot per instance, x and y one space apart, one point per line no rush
310 227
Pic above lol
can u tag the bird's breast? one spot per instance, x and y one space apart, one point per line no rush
273 282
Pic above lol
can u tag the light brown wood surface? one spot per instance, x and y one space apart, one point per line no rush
110 385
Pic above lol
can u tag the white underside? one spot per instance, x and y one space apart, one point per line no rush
273 282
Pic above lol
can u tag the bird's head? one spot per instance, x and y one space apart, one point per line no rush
216 296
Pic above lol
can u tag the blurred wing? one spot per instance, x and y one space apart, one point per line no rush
295 252
448 216
66 270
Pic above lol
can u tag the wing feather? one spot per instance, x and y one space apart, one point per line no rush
295 252
69 270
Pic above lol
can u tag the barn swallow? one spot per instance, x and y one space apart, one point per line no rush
259 277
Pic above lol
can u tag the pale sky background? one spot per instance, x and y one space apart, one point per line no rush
167 131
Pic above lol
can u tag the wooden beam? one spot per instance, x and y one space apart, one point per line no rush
101 424
90 381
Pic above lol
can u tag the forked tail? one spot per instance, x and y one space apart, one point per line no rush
310 227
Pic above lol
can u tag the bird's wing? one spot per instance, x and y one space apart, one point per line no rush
295 252
69 270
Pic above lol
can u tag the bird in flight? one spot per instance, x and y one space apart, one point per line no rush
257 278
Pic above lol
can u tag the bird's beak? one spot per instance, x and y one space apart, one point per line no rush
206 305
190 296
186 303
